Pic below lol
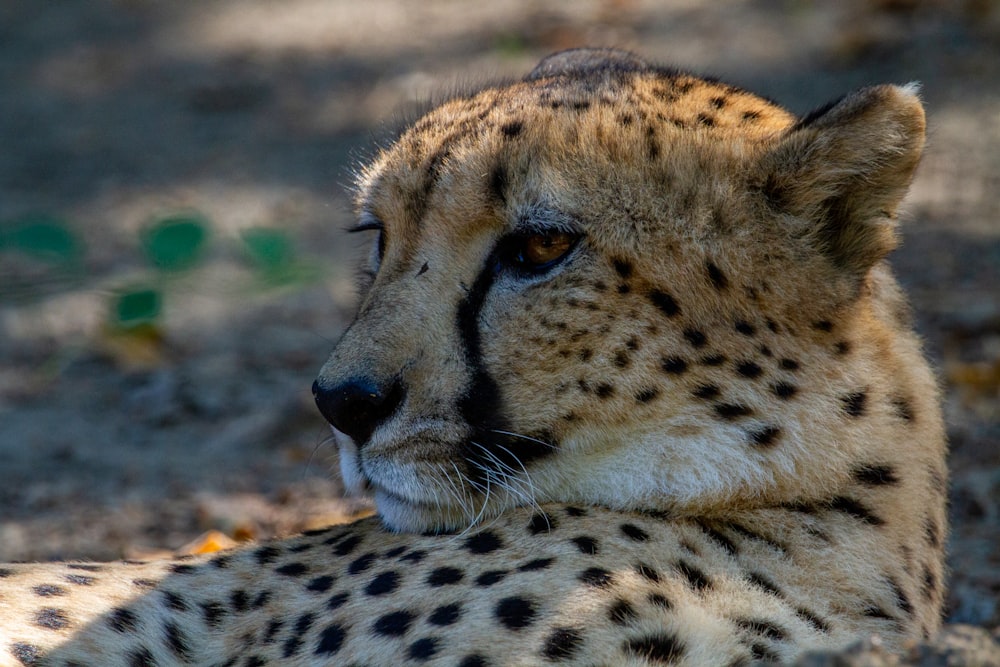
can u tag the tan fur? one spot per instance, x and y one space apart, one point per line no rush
719 379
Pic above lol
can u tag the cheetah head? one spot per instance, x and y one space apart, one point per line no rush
613 283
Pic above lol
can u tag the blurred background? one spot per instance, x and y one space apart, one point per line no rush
174 186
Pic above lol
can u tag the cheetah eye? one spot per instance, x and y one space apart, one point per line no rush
540 251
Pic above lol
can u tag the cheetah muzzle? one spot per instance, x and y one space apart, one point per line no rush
631 383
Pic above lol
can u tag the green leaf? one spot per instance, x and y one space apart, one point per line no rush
270 250
175 243
136 307
44 237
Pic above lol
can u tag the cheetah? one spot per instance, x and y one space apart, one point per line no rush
631 384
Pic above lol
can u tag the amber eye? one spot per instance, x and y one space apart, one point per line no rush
538 251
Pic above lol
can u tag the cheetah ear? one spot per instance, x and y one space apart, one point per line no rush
845 168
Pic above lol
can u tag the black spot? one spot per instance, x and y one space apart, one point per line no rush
596 576
757 537
292 569
748 369
414 556
266 554
622 359
657 647
706 120
586 545
330 640
141 658
647 395
220 562
562 643
423 649
875 611
719 539
875 475
361 563
444 576
823 325
759 580
515 613
763 628
445 614
337 600
575 511
930 583
181 568
512 128
856 509
175 601
744 328
29 654
904 409
393 624
273 626
765 437
490 577
812 619
80 579
122 620
474 660
604 390
623 268
673 365
621 612
347 546
623 288
634 532
750 116
386 582
262 599
483 543
660 600
541 523
212 613
239 601
842 347
706 391
6 572
666 303
695 337
766 351
176 641
48 590
732 410
647 572
252 661
902 600
718 278
784 390
320 584
713 360
789 364
51 618
696 578
536 564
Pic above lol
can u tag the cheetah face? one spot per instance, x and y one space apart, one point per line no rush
587 287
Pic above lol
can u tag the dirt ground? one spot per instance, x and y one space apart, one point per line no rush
253 113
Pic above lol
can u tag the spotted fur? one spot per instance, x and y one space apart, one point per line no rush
629 384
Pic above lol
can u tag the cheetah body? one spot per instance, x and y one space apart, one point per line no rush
630 382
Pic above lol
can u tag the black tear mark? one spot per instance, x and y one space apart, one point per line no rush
499 183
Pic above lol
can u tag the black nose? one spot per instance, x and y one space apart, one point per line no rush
358 406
